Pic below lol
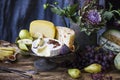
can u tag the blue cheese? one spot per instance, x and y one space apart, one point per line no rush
109 45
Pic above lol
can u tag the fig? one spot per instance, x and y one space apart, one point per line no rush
25 41
74 73
65 49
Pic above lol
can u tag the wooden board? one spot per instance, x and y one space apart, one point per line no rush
26 63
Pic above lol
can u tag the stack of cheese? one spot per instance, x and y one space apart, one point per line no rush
61 35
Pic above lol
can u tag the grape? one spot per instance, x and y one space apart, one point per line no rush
100 76
90 55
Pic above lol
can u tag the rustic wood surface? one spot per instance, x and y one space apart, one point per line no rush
26 63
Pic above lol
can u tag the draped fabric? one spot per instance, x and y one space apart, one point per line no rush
17 14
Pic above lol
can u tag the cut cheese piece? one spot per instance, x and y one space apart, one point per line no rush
51 47
44 27
66 35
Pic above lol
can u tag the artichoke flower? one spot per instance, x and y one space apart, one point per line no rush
93 17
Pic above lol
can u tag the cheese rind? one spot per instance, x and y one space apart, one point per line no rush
66 36
44 27
109 45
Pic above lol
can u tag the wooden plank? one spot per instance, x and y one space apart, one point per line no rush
26 63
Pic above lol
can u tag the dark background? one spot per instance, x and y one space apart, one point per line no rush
115 3
17 14
112 23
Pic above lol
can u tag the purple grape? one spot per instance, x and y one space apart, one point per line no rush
105 58
90 55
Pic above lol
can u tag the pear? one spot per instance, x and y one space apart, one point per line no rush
25 41
93 68
74 73
22 46
24 34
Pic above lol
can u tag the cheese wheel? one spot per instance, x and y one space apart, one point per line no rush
50 47
110 40
66 36
38 27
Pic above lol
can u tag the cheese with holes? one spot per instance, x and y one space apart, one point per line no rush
50 47
38 27
66 36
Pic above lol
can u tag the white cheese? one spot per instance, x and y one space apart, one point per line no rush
48 49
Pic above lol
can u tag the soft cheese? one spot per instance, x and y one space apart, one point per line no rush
65 35
51 47
38 27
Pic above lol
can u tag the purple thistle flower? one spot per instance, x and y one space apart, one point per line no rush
93 17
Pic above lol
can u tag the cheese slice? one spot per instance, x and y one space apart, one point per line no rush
44 27
51 47
66 36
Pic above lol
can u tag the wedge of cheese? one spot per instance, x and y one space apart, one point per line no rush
51 47
38 27
66 36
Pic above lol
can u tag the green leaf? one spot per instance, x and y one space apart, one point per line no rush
110 7
115 11
74 19
108 15
73 9
57 11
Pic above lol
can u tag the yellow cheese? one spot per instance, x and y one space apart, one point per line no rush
44 27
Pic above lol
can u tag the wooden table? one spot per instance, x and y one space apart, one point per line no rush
26 63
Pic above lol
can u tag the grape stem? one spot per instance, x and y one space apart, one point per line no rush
97 48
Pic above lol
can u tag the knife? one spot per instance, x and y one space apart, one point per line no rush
21 73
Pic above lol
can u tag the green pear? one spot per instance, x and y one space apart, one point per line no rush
24 34
22 46
25 41
74 73
93 68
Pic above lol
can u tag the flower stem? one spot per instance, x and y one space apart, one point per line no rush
64 21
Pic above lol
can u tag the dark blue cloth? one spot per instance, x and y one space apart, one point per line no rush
17 14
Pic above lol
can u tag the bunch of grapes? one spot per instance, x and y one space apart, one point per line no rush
91 55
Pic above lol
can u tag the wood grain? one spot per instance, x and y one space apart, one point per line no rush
26 63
